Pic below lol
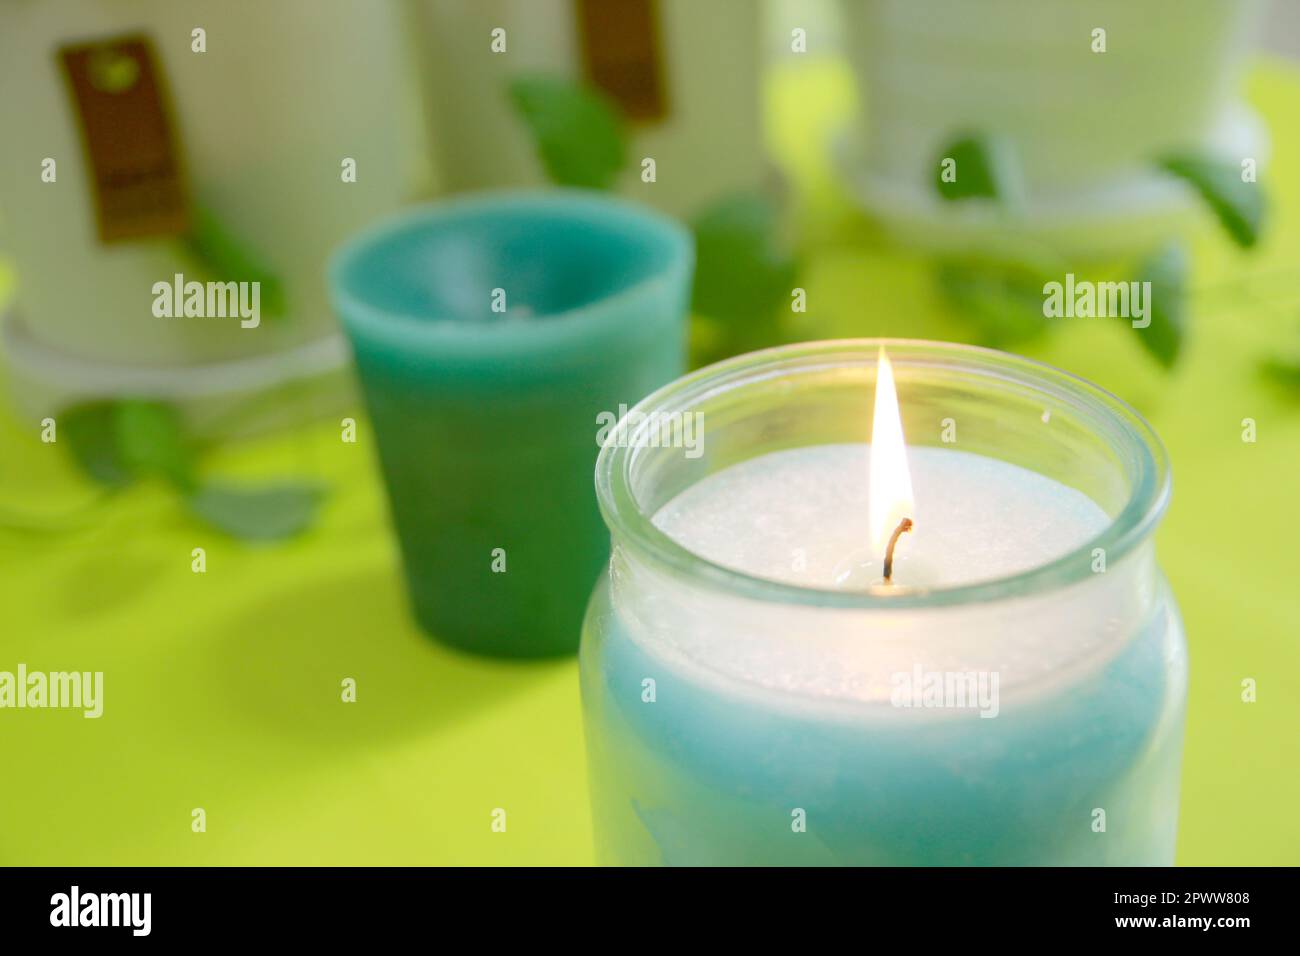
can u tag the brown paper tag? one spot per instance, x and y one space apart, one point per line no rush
622 55
131 149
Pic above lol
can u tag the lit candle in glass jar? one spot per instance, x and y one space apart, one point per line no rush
1013 696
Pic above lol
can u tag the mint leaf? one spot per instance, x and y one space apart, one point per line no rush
116 442
1004 304
268 513
981 168
1239 206
90 431
1167 271
742 269
1284 371
577 131
224 258
151 441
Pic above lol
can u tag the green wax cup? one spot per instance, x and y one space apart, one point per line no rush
490 333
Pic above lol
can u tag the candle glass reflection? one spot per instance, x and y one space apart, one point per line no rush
735 718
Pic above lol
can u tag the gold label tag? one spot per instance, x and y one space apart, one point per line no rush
622 55
131 151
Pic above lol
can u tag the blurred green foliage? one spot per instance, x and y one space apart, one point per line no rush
1003 298
742 270
1168 272
981 168
1238 205
118 443
578 132
1004 302
257 514
222 257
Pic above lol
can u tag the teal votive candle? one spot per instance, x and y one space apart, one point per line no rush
490 335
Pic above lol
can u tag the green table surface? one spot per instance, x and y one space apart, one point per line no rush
222 689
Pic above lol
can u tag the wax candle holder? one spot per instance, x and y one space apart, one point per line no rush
490 335
732 719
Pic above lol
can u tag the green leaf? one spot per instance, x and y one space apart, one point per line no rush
224 258
1167 271
743 272
90 432
1004 303
578 132
151 441
117 442
981 168
1284 371
268 513
1239 206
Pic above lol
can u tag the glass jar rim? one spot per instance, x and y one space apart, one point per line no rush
629 523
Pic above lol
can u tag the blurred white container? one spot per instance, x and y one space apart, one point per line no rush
1087 127
708 143
264 119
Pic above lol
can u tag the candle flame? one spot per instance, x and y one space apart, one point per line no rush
890 499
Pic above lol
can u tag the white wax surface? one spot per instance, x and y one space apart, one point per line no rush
800 517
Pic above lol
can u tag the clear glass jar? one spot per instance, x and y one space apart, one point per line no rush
732 719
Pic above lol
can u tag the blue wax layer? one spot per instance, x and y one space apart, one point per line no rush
703 777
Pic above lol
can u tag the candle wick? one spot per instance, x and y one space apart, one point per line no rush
904 525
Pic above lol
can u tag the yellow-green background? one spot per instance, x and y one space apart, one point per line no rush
222 690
